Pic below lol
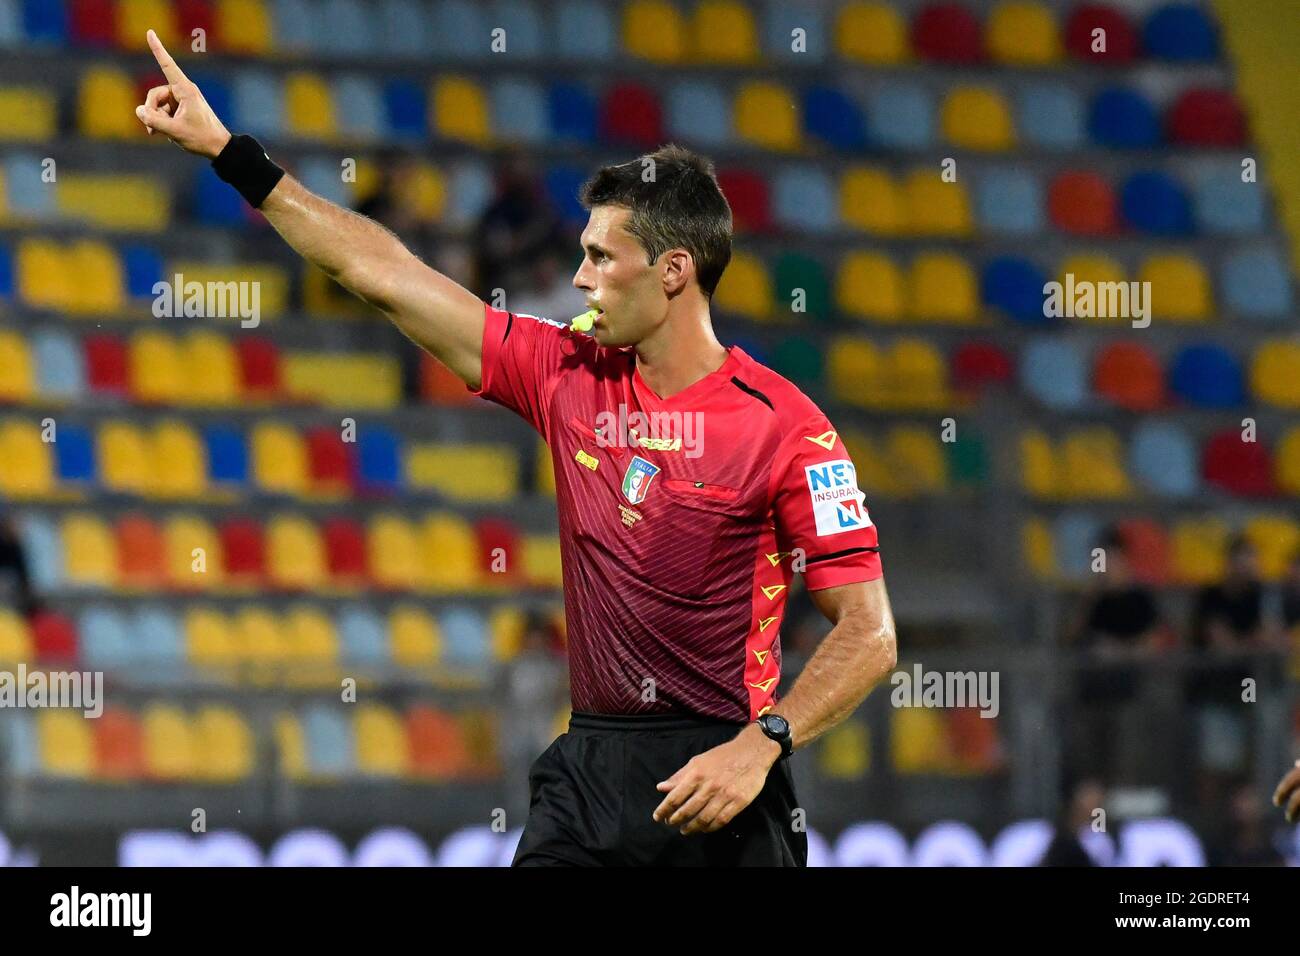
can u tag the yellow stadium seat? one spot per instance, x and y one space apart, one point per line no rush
382 749
1275 374
235 292
125 458
169 744
654 30
211 371
15 639
542 566
1097 270
106 102
869 286
464 472
460 110
89 552
977 118
261 643
312 640
1040 552
723 31
1022 34
746 287
845 751
66 742
876 477
766 115
1180 288
942 287
244 26
507 626
26 462
155 368
1200 550
369 180
916 457
396 562
114 201
309 105
414 636
1287 463
544 472
918 741
223 744
183 535
42 274
341 380
210 638
17 378
449 552
137 17
918 375
279 459
295 554
871 201
100 287
28 113
935 207
871 33
291 747
180 464
857 372
422 191
1039 474
1092 464
1276 539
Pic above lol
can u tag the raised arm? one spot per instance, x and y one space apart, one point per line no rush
365 258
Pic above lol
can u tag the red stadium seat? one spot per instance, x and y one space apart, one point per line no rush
244 547
345 551
1238 467
1147 544
106 364
631 115
496 533
976 365
747 192
331 462
440 385
1206 118
55 638
1130 376
973 740
259 368
141 551
1121 38
437 748
93 22
119 745
1082 203
947 33
194 15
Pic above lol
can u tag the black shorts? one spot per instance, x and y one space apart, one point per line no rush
592 793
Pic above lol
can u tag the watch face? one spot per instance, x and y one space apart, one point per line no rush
778 724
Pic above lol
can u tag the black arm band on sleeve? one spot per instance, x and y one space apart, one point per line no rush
244 164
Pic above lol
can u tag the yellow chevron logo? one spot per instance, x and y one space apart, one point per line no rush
765 710
762 625
772 590
825 439
776 558
762 657
764 685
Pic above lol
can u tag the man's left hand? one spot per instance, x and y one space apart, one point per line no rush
713 787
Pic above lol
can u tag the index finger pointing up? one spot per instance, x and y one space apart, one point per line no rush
169 67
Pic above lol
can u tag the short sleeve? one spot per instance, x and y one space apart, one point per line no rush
522 356
818 508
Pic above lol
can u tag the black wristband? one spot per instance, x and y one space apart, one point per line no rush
244 164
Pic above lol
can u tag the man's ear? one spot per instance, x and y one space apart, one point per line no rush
679 267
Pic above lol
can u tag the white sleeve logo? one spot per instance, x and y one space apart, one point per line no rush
836 501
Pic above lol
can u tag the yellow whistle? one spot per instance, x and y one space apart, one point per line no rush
584 322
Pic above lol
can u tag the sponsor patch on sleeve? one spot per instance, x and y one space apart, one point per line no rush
836 501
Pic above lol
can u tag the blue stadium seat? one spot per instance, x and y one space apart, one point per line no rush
1156 203
259 101
902 116
44 546
1050 115
22 749
144 269
562 185
217 92
804 198
519 110
1227 206
1075 534
1055 373
460 31
298 27
360 108
351 28
6 274
363 635
522 26
751 345
46 22
404 28
1257 284
74 454
408 117
584 30
1207 376
472 190
215 203
11 24
330 746
778 32
572 113
227 454
105 640
379 461
832 117
1015 286
25 192
1163 458
322 176
1123 119
465 636
60 366
1180 31
1009 201
157 637
698 112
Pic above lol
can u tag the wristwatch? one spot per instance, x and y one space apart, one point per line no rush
778 728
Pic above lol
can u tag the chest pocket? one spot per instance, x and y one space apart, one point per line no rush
701 494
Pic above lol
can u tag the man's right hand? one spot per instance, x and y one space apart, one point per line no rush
179 111
1287 795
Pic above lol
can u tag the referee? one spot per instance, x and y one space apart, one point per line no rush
692 484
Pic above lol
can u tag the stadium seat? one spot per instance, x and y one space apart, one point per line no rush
694 111
437 748
28 463
1149 550
330 742
917 458
193 555
465 638
345 551
977 365
378 460
942 288
541 560
584 30
801 284
1117 42
1130 376
60 373
519 110
1050 115
571 114
179 468
869 286
902 116
947 33
1225 205
1206 117
1256 284
1275 538
119 745
224 747
331 462
261 645
1054 373
382 749
449 553
1243 468
169 751
363 637
654 30
210 639
1123 119
106 102
1180 289
1275 374
1155 203
1009 201
464 472
1022 34
414 637
1287 465
27 113
17 374
917 376
746 288
394 555
1163 459
1101 272
259 368
157 372
832 117
139 551
311 646
105 643
1082 203
870 201
1076 534
460 111
279 459
977 118
243 547
406 110
67 746
872 33
44 548
295 558
1207 376
767 116
125 458
935 207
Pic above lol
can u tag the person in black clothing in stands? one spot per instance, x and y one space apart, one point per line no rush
15 581
1118 625
1066 847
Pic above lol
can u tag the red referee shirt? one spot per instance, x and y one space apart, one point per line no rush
682 520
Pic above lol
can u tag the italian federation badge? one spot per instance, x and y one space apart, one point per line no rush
636 482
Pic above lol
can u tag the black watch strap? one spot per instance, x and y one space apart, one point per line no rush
777 728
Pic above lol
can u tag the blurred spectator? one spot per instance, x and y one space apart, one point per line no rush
15 582
1117 627
1072 827
550 292
1290 596
517 227
534 689
390 203
1247 838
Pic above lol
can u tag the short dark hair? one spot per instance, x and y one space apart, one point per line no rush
680 207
